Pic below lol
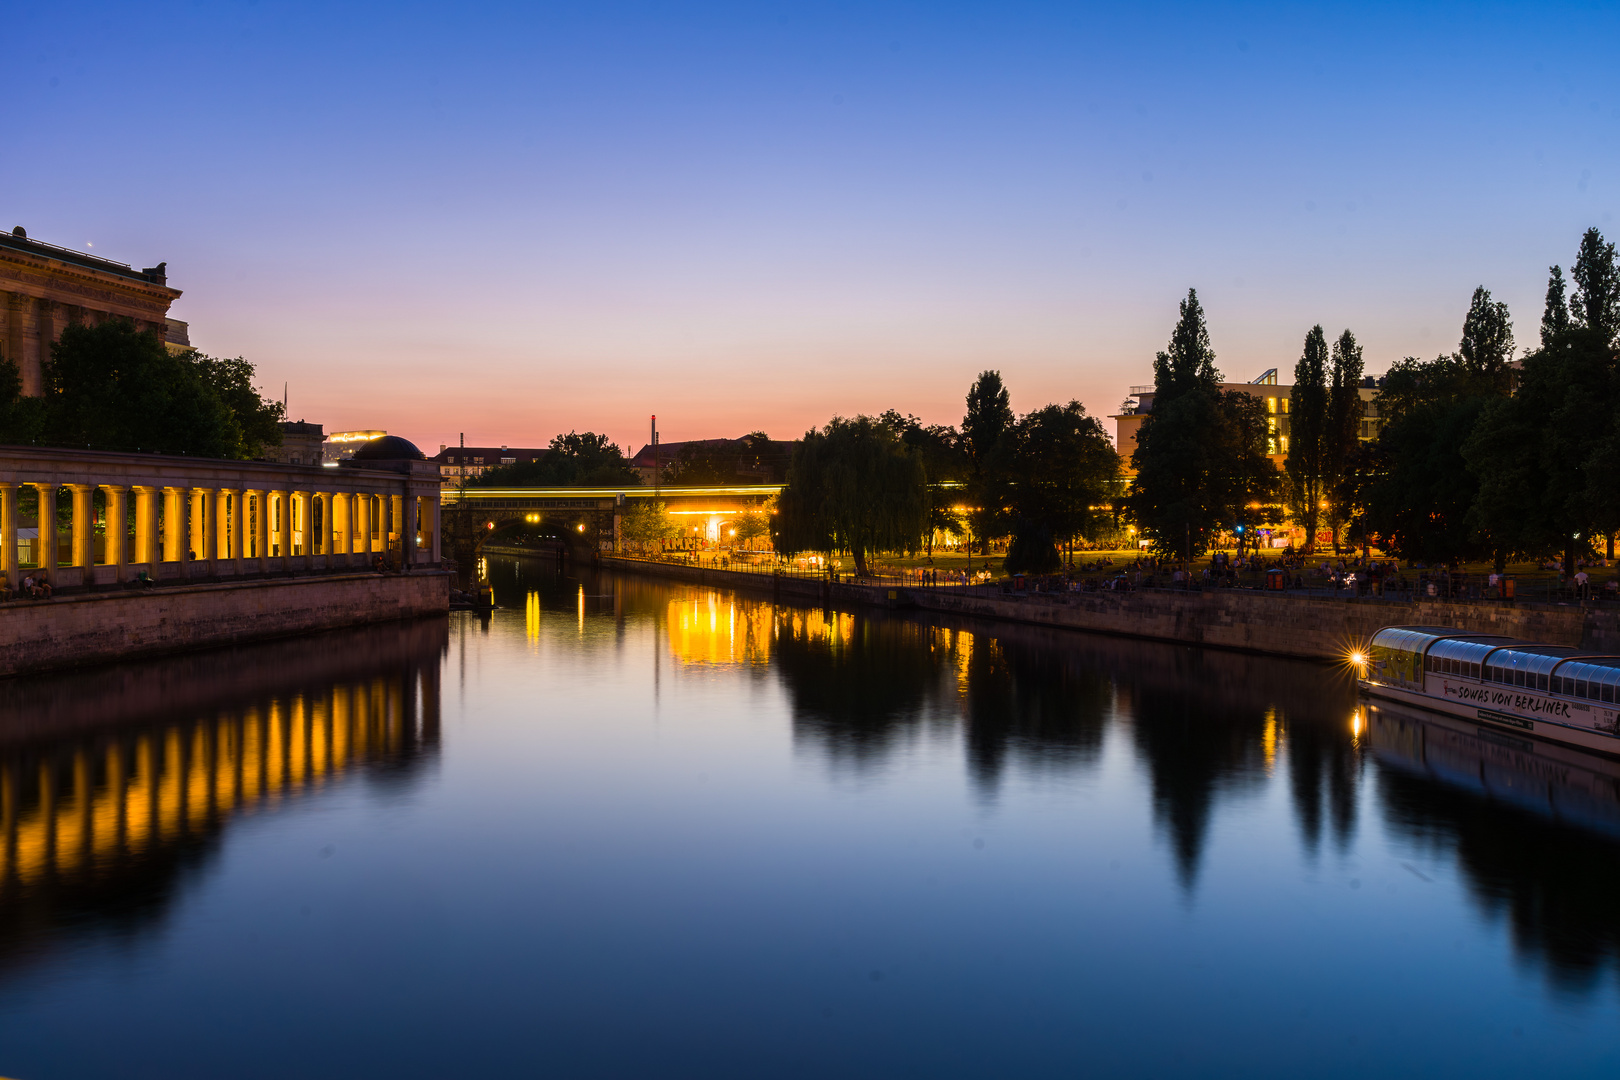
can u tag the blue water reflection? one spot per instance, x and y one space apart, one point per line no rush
625 829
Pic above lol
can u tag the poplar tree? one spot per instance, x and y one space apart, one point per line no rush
985 426
1308 414
1200 455
1486 348
1596 303
1555 316
1343 428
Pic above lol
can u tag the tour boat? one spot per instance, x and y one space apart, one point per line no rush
1549 691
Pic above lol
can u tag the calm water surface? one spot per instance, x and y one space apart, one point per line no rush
621 829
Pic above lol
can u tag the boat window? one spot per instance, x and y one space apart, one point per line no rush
1518 678
1608 693
1541 682
1580 687
1473 671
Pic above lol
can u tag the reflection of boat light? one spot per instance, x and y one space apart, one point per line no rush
1551 781
1547 691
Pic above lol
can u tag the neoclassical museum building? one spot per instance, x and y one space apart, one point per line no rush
44 288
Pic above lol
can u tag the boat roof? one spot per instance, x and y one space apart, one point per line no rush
1503 651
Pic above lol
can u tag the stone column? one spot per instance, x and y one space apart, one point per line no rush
382 504
117 531
8 535
19 317
210 531
407 532
177 527
196 515
146 531
284 527
323 532
84 529
36 345
342 528
303 503
45 546
433 528
362 518
239 530
261 530
220 550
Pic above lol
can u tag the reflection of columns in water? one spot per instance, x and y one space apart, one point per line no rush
101 802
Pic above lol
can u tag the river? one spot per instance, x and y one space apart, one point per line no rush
627 829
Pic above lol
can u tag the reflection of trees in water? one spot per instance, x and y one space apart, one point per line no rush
1033 703
857 681
1207 725
1324 772
116 784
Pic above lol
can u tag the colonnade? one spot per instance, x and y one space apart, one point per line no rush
226 519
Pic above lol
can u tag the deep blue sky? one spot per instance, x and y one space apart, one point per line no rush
510 221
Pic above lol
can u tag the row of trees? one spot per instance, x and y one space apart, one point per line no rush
113 387
1479 459
888 483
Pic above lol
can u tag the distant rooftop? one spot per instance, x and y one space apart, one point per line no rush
18 240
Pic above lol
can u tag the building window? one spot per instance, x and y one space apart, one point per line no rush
1284 442
478 461
1285 406
508 461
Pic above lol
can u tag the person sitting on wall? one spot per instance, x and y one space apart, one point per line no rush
5 587
42 588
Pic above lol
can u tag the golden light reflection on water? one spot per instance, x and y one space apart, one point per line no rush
76 808
531 618
707 629
1269 738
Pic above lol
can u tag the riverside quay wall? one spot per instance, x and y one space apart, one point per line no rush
1320 628
149 553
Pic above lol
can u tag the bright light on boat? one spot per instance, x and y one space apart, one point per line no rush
1358 658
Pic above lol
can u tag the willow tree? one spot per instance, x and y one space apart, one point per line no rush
853 485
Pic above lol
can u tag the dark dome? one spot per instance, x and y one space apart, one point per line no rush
388 448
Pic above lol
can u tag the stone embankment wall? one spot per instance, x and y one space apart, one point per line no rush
71 631
1318 628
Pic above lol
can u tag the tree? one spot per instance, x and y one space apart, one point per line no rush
852 485
1596 303
1054 466
988 419
1532 451
113 387
1486 347
1200 455
577 459
944 461
1555 316
1306 466
1420 502
647 521
752 525
1343 429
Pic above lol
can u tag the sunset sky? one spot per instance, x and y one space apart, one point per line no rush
510 221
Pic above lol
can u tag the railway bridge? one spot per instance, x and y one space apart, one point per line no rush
593 515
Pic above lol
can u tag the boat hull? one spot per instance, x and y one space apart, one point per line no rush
1505 718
